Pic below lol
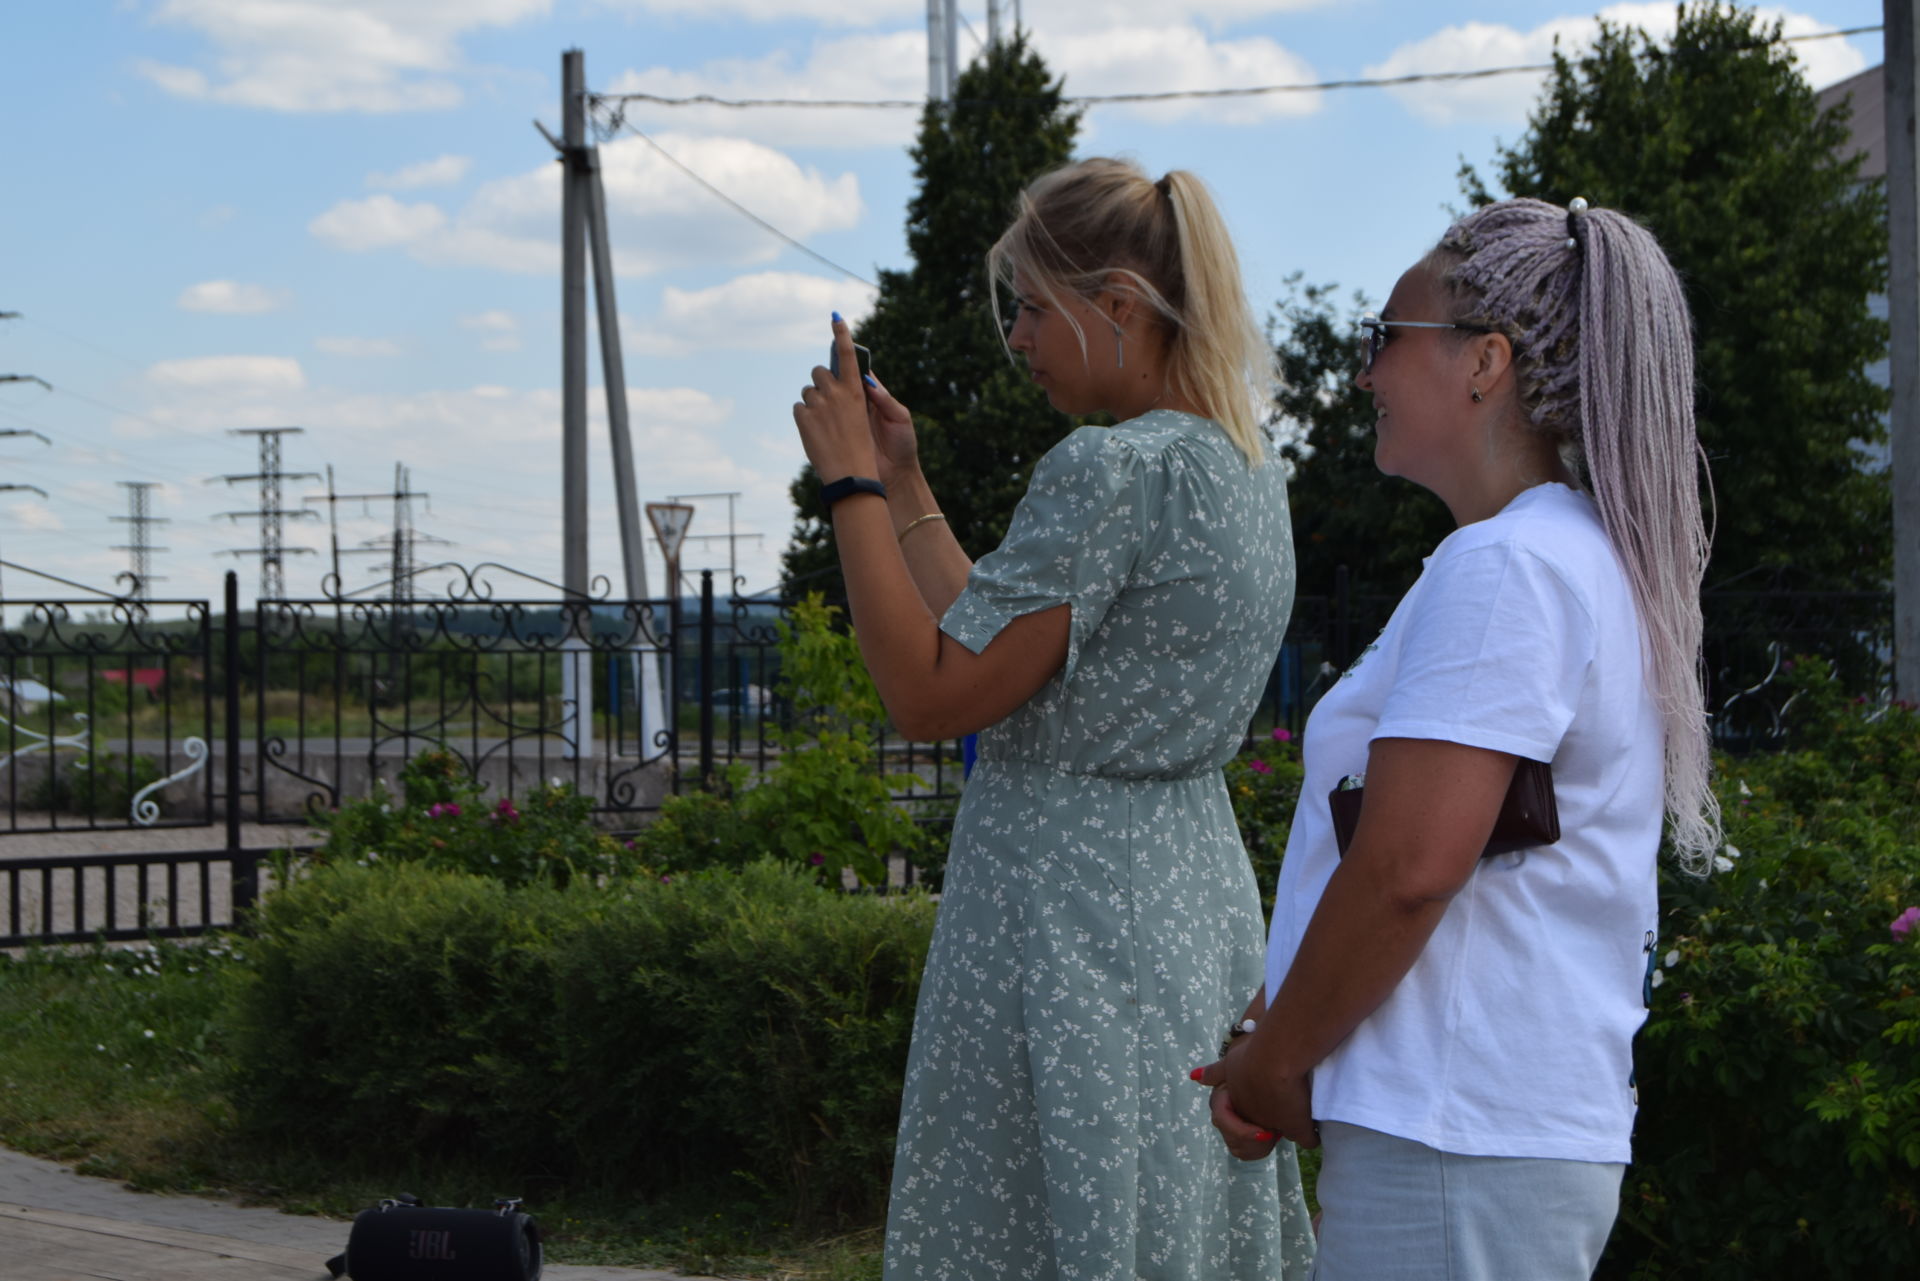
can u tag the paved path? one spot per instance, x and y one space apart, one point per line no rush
59 1226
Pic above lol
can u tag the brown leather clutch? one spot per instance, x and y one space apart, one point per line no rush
1528 816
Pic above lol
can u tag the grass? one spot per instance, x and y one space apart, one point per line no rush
112 1060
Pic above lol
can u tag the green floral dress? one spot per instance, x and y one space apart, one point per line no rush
1100 926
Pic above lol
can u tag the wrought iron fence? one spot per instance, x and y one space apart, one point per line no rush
521 692
121 714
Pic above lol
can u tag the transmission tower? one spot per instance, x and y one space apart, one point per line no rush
271 513
400 544
140 548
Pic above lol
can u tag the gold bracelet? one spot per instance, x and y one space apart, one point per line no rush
918 521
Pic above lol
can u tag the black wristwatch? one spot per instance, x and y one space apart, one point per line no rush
848 486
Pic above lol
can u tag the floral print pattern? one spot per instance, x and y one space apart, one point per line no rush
1100 926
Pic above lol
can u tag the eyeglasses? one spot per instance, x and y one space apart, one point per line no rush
1373 336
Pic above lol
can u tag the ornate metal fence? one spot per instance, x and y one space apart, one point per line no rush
105 703
521 692
119 715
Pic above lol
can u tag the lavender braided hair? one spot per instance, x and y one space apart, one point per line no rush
1603 357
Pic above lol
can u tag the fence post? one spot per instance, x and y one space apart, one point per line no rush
706 679
245 874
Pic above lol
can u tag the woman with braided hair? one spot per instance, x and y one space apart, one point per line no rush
1457 1027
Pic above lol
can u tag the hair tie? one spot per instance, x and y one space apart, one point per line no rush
1575 207
1165 185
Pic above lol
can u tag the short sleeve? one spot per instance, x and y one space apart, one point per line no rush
1494 654
1073 540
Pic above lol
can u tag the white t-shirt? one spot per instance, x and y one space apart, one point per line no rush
1512 1034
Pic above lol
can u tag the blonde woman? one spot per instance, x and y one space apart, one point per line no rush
1100 925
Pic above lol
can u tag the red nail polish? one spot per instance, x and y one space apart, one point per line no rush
1264 1136
1196 1074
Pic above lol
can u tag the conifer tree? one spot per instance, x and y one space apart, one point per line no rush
935 340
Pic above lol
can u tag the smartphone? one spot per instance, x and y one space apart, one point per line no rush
860 354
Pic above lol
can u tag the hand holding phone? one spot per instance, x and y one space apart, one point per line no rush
860 354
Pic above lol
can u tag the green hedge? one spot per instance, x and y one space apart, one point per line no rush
1779 1071
648 1036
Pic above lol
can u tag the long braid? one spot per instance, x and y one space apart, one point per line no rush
1603 354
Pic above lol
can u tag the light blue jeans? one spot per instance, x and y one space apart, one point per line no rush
1396 1210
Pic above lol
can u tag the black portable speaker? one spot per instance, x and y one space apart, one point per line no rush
403 1240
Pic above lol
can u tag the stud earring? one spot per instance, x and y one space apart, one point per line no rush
1477 397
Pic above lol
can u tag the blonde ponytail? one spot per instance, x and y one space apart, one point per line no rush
1083 225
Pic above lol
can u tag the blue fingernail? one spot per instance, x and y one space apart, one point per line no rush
870 382
836 317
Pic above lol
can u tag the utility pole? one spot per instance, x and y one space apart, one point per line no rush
731 536
583 225
1902 68
398 546
5 489
573 320
271 514
139 547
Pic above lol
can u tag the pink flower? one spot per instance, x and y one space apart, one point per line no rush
1259 766
504 812
1283 735
817 859
1904 923
443 809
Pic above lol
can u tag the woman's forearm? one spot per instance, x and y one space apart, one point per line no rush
933 686
935 561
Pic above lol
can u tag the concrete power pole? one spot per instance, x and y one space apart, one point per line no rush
573 323
1902 68
273 583
139 547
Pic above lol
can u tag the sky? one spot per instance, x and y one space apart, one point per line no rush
338 215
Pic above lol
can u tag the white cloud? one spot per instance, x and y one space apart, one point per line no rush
501 330
1507 99
441 171
1126 59
231 298
331 55
239 373
657 216
357 347
857 68
1107 55
768 311
378 222
868 13
32 514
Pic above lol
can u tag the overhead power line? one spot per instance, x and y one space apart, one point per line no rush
741 209
613 104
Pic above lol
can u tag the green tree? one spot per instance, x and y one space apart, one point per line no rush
1718 145
935 340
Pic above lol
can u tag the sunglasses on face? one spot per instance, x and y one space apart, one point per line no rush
1373 334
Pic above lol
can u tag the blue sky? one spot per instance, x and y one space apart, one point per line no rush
336 214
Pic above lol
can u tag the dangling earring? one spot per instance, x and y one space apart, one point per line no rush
1119 347
1476 394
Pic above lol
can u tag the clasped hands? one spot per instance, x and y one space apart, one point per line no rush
1253 1108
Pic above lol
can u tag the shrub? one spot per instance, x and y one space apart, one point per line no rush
824 805
1264 784
1779 1130
101 785
443 819
697 1029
